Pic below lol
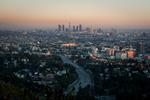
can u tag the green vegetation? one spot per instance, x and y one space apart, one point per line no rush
13 87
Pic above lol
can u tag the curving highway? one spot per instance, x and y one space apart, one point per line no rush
83 80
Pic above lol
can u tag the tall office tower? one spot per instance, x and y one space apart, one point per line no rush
142 47
77 28
80 27
59 28
74 28
99 30
63 28
88 30
91 29
69 26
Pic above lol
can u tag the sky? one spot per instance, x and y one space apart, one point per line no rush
105 13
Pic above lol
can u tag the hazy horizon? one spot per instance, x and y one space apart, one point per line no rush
99 13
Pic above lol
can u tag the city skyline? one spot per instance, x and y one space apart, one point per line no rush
103 13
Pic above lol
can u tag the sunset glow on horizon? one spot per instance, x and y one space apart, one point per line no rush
111 13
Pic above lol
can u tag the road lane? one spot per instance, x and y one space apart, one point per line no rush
83 80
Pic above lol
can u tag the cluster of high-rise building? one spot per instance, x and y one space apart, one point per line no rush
79 28
74 28
61 28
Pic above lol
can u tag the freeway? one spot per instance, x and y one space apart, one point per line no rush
83 80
